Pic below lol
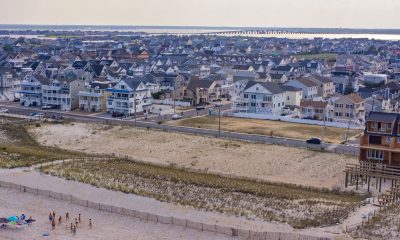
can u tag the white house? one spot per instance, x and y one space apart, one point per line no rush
129 96
263 98
62 93
309 88
372 78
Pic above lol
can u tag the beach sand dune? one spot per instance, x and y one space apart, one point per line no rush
267 162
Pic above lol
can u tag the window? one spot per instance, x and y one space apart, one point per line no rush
389 126
375 154
253 104
267 98
388 139
246 95
253 96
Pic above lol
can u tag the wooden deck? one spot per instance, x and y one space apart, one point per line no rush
360 174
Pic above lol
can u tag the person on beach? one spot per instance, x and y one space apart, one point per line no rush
50 217
53 224
76 222
72 227
79 218
74 230
67 216
54 215
90 223
59 220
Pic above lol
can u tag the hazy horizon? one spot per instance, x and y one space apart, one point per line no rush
355 14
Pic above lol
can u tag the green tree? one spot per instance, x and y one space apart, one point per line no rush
349 88
8 48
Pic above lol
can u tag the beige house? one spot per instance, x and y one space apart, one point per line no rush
314 109
293 95
201 92
325 85
349 108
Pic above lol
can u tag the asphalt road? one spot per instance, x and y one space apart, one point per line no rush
152 122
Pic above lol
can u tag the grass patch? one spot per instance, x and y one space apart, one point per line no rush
384 225
299 206
19 149
323 56
266 127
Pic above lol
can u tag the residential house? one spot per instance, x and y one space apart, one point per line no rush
94 97
278 78
31 90
62 93
309 88
201 92
263 98
325 85
129 96
317 110
293 95
349 108
380 142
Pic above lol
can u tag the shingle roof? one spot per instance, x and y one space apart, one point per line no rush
322 79
271 87
383 117
307 82
355 98
313 104
193 84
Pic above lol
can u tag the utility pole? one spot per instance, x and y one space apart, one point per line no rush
323 128
134 106
219 122
348 126
174 98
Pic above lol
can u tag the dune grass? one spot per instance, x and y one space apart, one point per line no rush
19 149
299 206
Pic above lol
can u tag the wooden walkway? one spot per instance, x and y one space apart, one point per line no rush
361 174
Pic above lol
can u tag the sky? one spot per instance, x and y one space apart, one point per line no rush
233 13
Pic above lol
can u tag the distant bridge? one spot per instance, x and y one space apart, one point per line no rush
253 32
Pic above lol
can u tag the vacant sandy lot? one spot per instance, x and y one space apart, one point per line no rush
268 162
104 225
268 127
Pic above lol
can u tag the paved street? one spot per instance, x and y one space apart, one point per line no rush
153 119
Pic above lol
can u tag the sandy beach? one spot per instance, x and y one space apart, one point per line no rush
267 162
105 225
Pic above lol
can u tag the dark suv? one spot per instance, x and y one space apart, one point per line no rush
117 115
314 141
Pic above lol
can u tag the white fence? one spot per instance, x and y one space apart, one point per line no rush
297 120
235 232
171 102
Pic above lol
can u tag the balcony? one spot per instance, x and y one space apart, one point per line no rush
51 88
118 98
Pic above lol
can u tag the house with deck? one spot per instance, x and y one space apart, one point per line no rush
94 97
263 98
380 142
129 96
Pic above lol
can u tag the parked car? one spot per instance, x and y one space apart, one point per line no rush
176 117
56 116
32 114
219 105
117 115
39 115
44 107
4 110
314 141
198 108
